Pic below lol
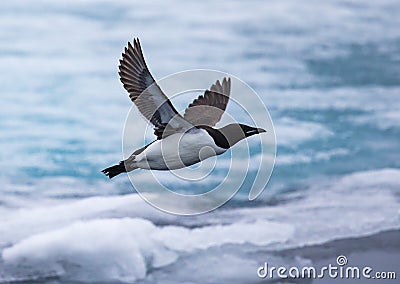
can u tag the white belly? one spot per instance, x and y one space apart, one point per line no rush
178 151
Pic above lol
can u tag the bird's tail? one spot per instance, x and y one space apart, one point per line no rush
115 170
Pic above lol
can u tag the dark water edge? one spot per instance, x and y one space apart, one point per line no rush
380 251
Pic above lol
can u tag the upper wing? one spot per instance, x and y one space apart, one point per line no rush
147 95
207 109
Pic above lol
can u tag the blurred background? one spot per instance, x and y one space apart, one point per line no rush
329 73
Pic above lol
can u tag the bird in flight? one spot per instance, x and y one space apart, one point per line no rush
181 140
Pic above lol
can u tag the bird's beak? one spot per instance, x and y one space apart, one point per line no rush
260 130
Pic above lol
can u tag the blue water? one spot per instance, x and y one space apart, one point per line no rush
329 73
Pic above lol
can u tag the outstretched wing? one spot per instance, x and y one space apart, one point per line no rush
207 109
147 95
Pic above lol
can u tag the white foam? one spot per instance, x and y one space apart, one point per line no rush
113 249
125 249
289 159
384 119
292 132
43 215
387 178
365 98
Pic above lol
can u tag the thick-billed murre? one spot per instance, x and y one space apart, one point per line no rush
181 140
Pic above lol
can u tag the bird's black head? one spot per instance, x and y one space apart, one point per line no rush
231 134
249 130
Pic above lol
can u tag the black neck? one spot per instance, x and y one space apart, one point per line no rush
219 138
